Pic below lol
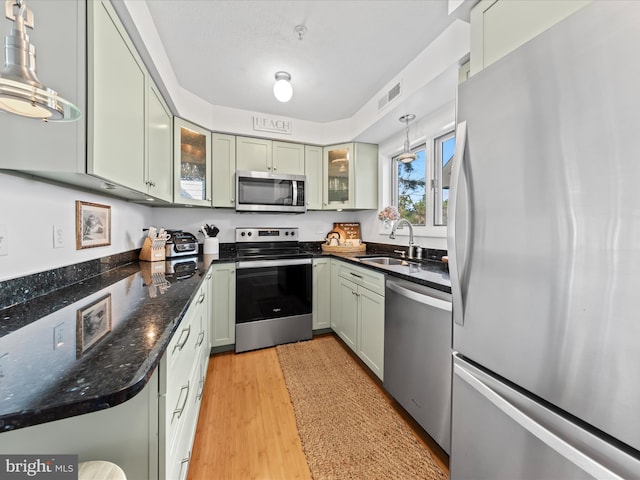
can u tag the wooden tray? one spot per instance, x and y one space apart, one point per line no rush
344 249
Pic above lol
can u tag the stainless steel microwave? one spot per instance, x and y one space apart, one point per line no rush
270 192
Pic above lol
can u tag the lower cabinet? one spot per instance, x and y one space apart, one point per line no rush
150 436
181 383
358 305
223 304
321 293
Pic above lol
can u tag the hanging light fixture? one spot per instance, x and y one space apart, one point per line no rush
282 89
407 156
21 93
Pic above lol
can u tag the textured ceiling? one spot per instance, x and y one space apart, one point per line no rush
227 52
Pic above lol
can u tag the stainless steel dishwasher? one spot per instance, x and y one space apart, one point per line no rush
417 355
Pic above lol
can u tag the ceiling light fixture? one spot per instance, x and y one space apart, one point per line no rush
282 89
407 156
21 93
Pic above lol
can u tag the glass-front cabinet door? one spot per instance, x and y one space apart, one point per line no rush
338 177
192 167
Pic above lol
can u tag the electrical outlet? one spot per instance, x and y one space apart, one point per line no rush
4 240
58 236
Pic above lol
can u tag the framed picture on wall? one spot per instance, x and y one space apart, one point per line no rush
93 323
93 225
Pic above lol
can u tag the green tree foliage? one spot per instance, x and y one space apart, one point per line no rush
412 203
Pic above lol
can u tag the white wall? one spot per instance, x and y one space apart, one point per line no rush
28 211
313 225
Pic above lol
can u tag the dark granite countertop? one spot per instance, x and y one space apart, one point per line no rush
95 342
430 271
90 345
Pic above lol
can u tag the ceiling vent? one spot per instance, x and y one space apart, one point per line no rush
393 93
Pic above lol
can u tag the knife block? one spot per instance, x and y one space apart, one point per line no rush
152 251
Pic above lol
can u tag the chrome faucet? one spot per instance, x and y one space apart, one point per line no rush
392 235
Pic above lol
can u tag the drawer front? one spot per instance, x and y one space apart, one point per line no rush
364 277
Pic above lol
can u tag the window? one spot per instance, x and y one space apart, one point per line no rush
410 187
420 205
442 176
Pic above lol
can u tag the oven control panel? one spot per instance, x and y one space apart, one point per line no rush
269 234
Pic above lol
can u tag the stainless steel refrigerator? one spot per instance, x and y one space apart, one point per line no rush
544 251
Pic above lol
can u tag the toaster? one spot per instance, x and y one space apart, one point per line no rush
180 244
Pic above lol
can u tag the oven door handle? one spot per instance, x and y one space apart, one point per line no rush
273 263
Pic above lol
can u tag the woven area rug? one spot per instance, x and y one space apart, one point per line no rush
347 428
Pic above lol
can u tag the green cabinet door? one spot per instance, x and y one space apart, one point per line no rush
223 304
321 293
224 169
371 330
116 110
348 295
159 179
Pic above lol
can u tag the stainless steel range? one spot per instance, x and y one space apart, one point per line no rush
273 288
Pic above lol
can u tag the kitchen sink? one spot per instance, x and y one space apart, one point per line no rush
385 260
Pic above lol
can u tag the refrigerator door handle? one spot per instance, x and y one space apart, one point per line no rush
562 447
457 265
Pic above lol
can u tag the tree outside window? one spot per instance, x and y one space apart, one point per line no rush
412 187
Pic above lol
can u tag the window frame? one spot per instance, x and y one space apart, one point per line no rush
430 143
436 183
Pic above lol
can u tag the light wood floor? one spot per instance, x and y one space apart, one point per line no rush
247 428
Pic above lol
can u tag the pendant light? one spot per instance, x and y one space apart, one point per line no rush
21 93
282 89
407 156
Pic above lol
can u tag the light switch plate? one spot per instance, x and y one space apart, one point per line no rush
4 240
58 236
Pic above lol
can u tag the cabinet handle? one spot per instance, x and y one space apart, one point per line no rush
200 338
201 298
184 460
355 275
180 344
275 168
178 411
200 388
208 277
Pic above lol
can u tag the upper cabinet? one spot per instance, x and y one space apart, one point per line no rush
288 158
127 118
269 156
224 166
192 164
313 172
350 176
159 140
500 26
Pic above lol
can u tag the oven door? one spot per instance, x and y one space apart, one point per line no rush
272 289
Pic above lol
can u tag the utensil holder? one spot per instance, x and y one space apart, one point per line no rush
211 246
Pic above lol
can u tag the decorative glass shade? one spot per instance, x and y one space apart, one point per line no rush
282 89
21 93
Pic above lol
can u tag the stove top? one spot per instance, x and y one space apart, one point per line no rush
269 242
